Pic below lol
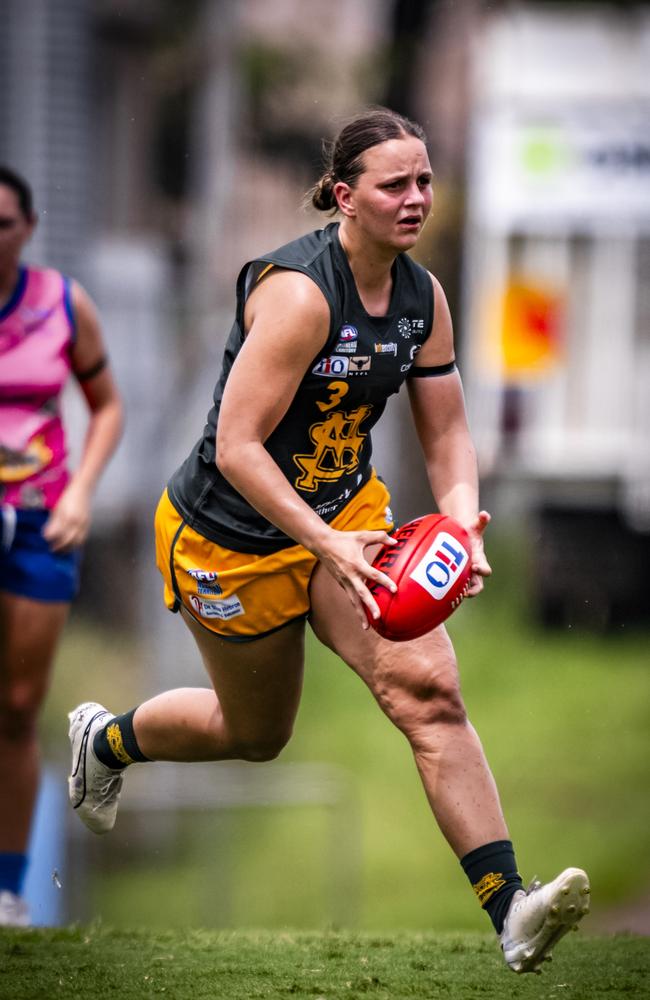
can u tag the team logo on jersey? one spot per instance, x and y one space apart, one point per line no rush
332 366
386 348
337 444
206 581
360 364
348 332
230 607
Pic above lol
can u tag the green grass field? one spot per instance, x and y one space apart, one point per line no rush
96 962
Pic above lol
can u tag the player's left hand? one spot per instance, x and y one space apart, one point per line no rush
68 525
480 566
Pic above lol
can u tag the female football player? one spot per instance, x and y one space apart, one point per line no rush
277 512
48 328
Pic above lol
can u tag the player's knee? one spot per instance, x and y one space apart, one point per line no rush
419 697
18 715
263 748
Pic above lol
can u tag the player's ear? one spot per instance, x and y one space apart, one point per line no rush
344 195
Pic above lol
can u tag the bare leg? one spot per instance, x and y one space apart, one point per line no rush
249 712
29 634
416 684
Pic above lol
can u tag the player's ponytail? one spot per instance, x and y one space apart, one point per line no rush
322 194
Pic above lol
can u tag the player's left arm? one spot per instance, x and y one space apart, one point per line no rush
438 407
69 522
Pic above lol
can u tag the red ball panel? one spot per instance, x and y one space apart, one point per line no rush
431 566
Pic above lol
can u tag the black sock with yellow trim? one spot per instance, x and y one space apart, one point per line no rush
115 744
492 871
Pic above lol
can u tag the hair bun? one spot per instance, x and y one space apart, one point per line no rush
323 193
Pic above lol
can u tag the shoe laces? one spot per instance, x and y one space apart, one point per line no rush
107 788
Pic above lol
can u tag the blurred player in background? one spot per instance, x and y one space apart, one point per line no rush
48 329
277 512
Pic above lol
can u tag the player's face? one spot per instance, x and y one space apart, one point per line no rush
392 198
15 229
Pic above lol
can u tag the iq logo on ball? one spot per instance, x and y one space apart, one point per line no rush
441 565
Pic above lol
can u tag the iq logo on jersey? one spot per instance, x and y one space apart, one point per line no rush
441 565
332 366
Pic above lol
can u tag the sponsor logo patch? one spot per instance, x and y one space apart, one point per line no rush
386 348
228 608
323 509
414 350
346 346
360 364
332 366
407 327
441 566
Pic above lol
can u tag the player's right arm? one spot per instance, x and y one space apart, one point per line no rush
287 323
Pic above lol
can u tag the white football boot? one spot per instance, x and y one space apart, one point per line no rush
93 788
13 910
538 918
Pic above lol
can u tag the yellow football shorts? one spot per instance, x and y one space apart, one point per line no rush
240 596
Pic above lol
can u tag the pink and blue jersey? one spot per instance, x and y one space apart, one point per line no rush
36 338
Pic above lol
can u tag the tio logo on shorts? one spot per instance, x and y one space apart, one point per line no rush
439 569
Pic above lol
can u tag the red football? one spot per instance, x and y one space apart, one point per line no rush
431 566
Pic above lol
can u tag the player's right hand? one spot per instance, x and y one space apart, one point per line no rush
343 555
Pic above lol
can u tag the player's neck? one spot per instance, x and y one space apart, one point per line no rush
371 268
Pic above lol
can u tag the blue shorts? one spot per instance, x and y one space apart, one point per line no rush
27 566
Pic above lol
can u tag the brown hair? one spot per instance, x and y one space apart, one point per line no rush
343 155
21 189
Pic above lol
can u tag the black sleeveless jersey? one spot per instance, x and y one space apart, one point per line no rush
322 444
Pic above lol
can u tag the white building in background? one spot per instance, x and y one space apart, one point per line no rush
557 359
